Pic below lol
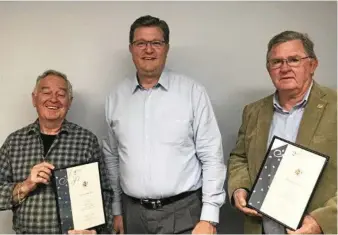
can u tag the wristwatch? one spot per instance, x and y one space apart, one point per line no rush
212 223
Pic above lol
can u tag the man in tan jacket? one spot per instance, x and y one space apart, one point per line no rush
300 111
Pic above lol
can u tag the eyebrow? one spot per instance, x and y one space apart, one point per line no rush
45 88
48 88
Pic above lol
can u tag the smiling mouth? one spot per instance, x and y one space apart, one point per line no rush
148 58
52 107
286 78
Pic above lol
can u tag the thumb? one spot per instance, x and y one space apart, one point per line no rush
242 201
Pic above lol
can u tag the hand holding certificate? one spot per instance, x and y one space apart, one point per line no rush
286 182
79 197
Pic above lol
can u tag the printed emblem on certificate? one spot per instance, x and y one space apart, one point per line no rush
286 182
79 197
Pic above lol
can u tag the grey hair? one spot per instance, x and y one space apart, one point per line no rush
289 36
55 73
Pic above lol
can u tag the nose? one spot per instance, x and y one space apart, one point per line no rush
149 48
54 98
285 66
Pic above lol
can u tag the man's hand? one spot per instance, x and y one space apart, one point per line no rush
240 196
204 227
118 224
309 226
40 174
81 232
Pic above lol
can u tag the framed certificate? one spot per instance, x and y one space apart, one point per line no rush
79 196
286 182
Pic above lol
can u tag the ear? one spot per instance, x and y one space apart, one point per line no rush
70 103
130 48
168 47
34 99
314 65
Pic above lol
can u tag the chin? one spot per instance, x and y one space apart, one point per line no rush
53 117
149 72
286 86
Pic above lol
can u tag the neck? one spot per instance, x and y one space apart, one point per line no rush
148 81
50 127
289 98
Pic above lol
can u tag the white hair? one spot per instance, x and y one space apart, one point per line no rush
56 73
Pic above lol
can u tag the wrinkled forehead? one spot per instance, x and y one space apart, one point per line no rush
286 49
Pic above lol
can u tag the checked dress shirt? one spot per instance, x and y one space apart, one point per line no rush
22 150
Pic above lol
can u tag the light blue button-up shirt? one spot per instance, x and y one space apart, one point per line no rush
285 124
161 140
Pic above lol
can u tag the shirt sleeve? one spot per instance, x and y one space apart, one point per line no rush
106 189
209 150
6 180
111 158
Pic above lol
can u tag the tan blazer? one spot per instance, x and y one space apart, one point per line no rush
317 131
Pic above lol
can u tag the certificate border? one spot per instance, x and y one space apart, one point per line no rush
56 194
313 190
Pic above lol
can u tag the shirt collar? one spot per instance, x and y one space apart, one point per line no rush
35 127
163 82
300 104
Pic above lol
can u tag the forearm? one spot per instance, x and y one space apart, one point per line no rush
238 169
112 171
20 192
111 161
214 173
17 196
238 174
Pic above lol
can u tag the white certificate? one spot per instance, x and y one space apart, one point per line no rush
286 182
79 197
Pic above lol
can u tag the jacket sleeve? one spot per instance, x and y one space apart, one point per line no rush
326 216
238 173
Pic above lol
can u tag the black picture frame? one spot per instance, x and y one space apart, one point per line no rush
260 173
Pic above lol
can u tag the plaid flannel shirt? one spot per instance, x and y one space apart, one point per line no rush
22 150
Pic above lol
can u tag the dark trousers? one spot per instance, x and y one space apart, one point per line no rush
177 217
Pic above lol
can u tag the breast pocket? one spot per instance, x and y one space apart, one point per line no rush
174 127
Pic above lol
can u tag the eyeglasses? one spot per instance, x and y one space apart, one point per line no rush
157 44
292 61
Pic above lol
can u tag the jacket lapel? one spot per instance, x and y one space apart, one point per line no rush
312 115
264 119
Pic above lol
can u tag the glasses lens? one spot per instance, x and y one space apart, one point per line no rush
294 61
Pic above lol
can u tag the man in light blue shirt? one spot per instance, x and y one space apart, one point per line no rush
164 148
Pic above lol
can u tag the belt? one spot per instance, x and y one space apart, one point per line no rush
158 203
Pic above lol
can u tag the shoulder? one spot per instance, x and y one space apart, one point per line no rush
20 133
80 132
330 94
124 86
258 104
183 82
325 94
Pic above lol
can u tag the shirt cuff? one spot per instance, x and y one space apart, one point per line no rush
210 213
117 208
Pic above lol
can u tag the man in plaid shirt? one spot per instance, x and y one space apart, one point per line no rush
29 155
